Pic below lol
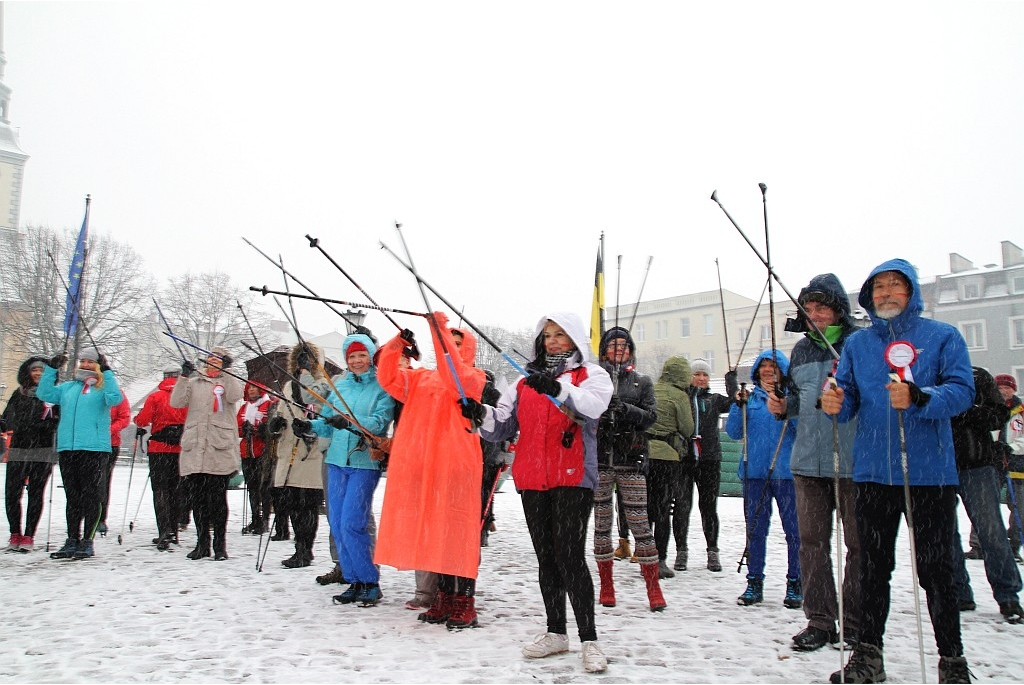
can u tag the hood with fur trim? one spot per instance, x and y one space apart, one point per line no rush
310 349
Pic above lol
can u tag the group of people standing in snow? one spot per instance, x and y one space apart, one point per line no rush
858 429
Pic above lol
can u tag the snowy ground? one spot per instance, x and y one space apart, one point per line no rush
134 614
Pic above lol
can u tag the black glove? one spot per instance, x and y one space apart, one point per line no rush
57 361
277 424
187 369
337 421
139 432
918 396
473 410
732 383
412 352
616 407
301 428
225 361
102 361
544 384
246 429
408 336
302 362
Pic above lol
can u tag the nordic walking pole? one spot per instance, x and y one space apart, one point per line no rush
490 497
139 432
764 493
839 537
131 525
746 475
725 322
264 290
49 513
910 532
168 327
773 275
636 306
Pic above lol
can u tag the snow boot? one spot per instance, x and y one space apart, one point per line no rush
370 595
812 638
866 665
714 563
440 609
664 571
607 596
754 594
654 596
953 669
333 576
301 559
794 594
623 551
681 559
67 551
85 549
201 551
1011 610
349 595
463 613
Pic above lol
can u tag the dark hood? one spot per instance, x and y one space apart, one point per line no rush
24 378
829 290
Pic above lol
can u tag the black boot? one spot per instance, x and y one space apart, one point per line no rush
199 552
300 559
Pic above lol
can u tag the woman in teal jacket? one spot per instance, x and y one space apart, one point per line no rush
83 442
352 475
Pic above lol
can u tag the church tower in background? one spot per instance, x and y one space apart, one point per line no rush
12 158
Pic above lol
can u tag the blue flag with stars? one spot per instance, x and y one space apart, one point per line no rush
75 277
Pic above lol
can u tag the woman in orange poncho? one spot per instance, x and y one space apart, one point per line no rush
431 516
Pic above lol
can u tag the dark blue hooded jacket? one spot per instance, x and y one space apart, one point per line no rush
942 370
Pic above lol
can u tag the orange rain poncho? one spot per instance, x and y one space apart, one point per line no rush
431 516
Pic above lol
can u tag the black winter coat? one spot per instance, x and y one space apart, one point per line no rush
621 438
707 407
24 414
972 430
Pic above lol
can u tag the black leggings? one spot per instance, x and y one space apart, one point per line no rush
208 495
257 474
165 481
557 520
37 473
82 473
707 476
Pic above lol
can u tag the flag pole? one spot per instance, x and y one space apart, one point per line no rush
76 274
597 307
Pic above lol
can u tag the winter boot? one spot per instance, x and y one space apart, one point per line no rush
607 596
67 551
1011 610
714 563
953 669
85 549
440 609
654 596
754 594
664 571
865 666
333 576
370 595
794 594
623 551
201 551
463 613
681 559
349 595
297 560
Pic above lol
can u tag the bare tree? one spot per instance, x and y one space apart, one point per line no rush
113 297
208 310
510 342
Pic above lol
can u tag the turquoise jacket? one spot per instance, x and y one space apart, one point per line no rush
84 416
373 409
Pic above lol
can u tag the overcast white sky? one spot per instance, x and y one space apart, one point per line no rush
506 137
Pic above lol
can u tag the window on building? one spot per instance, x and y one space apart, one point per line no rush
638 333
1017 284
709 324
743 335
660 330
766 332
1017 332
684 327
974 334
972 291
709 356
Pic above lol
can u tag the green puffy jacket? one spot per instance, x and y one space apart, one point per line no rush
670 434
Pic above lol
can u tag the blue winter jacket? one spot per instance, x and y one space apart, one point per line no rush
373 409
84 416
763 429
942 370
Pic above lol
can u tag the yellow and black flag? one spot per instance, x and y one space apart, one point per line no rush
597 309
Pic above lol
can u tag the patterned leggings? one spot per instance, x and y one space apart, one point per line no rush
632 486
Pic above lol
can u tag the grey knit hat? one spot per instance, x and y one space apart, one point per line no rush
699 364
89 353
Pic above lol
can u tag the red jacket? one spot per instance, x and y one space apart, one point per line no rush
257 412
157 413
120 417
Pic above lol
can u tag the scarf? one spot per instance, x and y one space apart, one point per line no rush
252 410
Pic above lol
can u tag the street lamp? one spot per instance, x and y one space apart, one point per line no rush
353 319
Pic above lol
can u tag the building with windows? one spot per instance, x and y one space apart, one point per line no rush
987 305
